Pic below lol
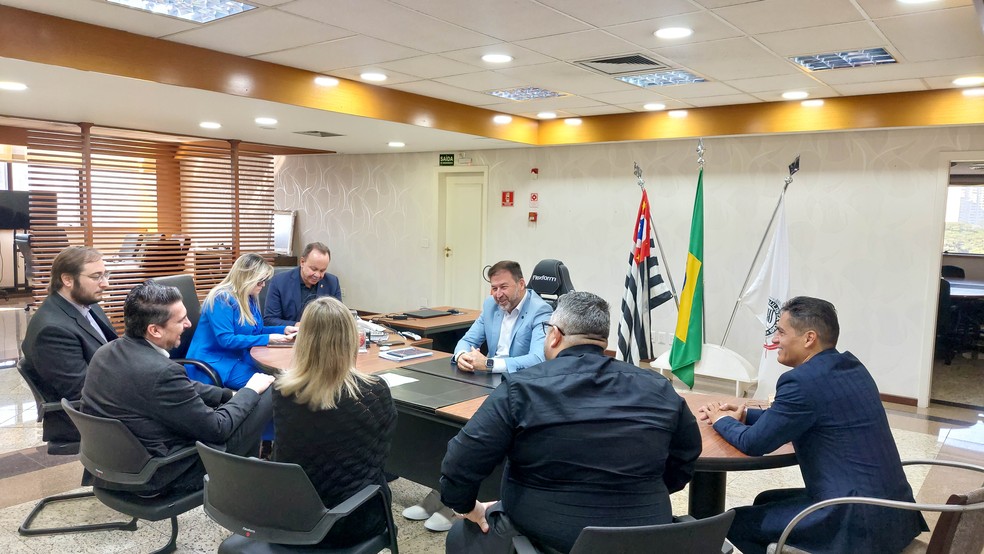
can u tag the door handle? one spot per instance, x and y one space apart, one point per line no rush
447 251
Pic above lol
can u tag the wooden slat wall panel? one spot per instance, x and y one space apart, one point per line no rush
152 208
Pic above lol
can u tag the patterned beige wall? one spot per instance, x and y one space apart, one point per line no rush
865 219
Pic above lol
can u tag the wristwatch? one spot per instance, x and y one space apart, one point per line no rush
490 363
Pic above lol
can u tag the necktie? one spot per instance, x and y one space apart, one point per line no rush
92 321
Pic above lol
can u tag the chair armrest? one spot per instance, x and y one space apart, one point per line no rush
522 545
945 463
207 369
46 407
354 501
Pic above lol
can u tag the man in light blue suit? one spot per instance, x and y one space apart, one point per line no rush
510 324
290 292
828 406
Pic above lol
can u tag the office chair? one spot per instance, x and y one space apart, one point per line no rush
189 297
60 447
111 452
550 279
960 529
952 272
685 535
271 505
277 270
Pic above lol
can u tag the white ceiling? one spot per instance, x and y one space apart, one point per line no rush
433 48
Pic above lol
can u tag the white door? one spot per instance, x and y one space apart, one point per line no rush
464 222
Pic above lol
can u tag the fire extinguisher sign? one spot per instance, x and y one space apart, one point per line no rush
507 198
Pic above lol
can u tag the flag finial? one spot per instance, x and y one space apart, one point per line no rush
793 168
638 173
700 152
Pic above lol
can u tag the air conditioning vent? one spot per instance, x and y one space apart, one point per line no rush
623 65
321 134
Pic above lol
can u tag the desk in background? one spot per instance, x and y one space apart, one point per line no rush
965 288
446 330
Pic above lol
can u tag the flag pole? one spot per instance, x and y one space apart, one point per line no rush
703 306
793 168
666 267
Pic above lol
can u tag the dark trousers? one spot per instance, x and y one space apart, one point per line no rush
466 537
758 525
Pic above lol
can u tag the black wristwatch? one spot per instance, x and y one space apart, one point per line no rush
490 363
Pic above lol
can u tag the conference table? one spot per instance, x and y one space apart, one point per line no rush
445 330
965 288
434 401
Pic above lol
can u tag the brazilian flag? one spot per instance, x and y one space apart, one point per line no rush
689 336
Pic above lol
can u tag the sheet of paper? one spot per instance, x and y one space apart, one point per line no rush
395 380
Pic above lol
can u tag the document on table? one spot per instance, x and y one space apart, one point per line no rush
395 380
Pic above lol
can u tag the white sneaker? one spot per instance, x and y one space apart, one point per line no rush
430 504
441 521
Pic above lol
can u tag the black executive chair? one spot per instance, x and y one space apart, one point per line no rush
685 535
189 297
271 505
60 447
952 272
111 452
550 279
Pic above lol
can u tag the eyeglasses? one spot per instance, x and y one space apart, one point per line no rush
99 277
544 326
263 282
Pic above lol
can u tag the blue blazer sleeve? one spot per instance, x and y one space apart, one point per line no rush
789 417
334 289
476 335
273 310
231 334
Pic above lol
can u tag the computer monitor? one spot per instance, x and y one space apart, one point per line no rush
14 209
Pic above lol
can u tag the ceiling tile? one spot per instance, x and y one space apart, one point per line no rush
393 23
885 8
355 74
795 81
935 35
264 31
723 100
429 66
697 90
814 92
882 87
719 60
770 16
98 12
829 38
565 77
669 102
710 4
619 11
336 54
639 96
899 71
946 81
598 110
579 45
447 92
521 56
546 104
266 2
482 80
706 26
507 20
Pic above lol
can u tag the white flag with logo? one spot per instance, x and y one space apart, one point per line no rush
765 298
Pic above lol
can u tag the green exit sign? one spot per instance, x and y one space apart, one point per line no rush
446 159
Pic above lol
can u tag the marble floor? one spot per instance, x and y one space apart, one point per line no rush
27 473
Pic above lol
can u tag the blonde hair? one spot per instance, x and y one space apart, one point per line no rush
246 273
324 357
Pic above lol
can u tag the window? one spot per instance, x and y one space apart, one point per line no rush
964 231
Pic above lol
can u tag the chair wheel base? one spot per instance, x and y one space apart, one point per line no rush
26 530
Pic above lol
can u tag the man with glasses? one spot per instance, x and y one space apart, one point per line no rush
66 331
511 326
288 293
590 441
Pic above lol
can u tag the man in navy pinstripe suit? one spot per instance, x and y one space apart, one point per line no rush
828 406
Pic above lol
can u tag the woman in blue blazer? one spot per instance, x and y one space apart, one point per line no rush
231 324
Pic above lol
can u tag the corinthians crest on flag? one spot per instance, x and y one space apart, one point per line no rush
765 298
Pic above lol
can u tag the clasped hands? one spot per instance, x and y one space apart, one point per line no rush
710 413
471 360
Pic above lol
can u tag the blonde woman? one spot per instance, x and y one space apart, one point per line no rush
231 323
333 421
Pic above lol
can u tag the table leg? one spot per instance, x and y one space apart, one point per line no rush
707 491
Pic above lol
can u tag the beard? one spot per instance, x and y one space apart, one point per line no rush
83 298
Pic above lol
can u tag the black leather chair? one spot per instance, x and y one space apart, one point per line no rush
952 272
189 297
550 279
685 535
60 448
111 453
263 293
271 506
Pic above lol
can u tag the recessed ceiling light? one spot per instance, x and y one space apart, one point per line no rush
396 144
969 81
326 81
521 94
210 125
502 119
497 58
673 32
654 107
573 121
662 78
677 113
199 11
973 92
815 103
795 95
265 121
373 76
10 85
547 115
844 59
